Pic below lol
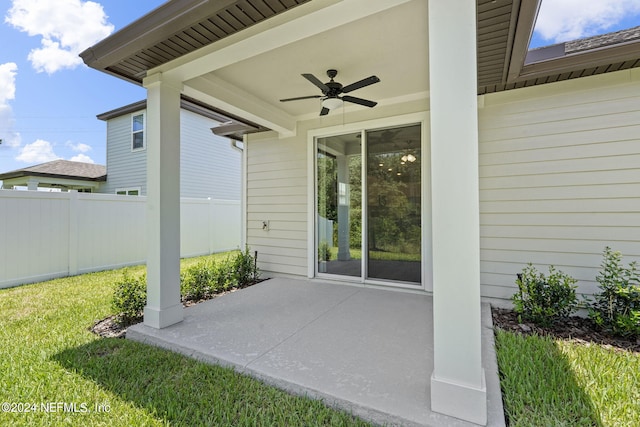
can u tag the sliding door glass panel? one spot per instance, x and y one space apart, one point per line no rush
394 204
339 213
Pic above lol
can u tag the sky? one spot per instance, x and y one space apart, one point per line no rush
49 99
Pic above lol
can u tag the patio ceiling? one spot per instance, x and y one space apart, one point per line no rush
391 43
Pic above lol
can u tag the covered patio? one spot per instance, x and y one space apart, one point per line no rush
402 354
367 351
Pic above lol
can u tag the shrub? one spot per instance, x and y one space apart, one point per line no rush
616 308
544 300
129 298
245 270
324 252
198 281
205 279
223 275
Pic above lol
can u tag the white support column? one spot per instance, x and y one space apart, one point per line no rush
457 383
163 202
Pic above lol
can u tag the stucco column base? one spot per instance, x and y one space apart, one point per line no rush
459 400
162 317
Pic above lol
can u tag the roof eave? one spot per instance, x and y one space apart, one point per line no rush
142 33
8 176
583 59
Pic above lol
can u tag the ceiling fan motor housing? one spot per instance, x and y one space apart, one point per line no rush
332 91
335 88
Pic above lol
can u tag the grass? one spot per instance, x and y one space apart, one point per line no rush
49 359
548 382
378 255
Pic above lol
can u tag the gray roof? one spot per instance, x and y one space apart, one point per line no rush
61 169
597 42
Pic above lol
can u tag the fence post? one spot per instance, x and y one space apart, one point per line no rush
73 232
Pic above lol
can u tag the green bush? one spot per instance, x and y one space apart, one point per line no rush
544 300
324 251
245 270
198 281
207 278
616 308
129 298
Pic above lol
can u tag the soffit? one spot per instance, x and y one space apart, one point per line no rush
181 27
174 29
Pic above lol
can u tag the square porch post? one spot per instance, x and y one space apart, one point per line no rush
163 202
457 382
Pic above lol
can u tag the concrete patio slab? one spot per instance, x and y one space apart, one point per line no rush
368 351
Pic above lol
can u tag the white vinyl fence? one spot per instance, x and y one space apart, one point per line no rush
46 235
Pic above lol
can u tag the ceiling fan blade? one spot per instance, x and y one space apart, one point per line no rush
324 111
360 101
362 83
301 97
313 79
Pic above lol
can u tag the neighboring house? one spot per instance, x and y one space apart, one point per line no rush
210 165
57 174
479 158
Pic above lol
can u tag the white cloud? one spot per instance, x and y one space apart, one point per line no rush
7 82
8 73
565 20
79 147
67 27
39 151
82 158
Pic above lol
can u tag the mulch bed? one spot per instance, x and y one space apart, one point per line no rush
576 329
110 328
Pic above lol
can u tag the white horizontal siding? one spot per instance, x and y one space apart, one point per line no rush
125 168
559 179
277 192
209 167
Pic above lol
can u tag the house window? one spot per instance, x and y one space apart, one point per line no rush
128 191
137 132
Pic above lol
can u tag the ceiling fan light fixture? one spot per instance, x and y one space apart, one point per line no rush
332 103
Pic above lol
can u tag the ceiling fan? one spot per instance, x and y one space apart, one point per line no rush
332 90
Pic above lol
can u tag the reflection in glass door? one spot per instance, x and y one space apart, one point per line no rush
394 204
339 215
370 230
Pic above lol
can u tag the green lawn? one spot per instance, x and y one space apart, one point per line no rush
378 255
53 367
547 382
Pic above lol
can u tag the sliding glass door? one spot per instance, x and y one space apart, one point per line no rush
339 214
369 205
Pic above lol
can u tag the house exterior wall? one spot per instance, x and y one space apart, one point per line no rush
559 178
209 167
559 181
125 168
277 188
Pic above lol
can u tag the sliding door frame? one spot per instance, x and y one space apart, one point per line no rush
426 247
